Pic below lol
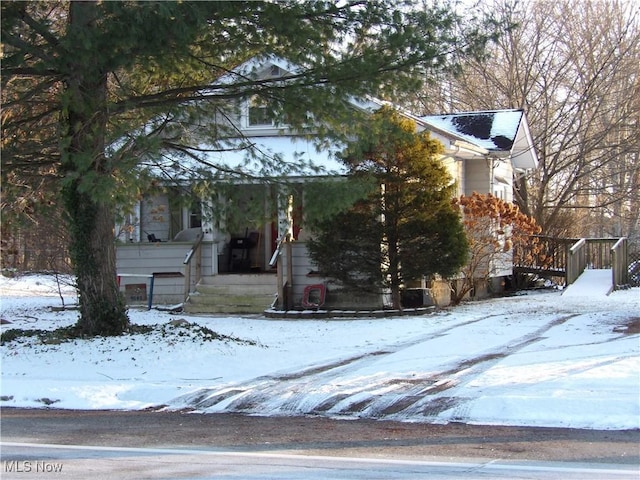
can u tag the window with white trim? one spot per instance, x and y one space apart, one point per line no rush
258 113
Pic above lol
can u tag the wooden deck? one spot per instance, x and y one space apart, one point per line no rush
567 258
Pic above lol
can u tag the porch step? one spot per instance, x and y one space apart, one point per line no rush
237 293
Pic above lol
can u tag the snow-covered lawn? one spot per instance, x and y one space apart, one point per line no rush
540 359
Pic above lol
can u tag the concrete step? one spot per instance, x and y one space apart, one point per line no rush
225 290
231 299
240 279
236 293
228 309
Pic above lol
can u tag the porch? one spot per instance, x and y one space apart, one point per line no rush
201 277
194 276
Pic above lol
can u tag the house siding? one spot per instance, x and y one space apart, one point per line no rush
166 261
302 268
502 184
337 297
476 177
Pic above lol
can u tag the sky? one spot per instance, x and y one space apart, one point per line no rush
545 358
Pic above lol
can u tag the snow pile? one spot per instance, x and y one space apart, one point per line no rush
540 359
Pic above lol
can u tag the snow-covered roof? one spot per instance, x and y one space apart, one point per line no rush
259 67
304 156
497 131
493 130
263 157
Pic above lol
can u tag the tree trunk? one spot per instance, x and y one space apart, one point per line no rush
395 279
86 191
102 308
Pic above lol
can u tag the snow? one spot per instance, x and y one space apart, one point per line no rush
310 159
261 156
591 283
480 128
540 359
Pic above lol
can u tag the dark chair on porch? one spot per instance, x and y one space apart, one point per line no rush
240 252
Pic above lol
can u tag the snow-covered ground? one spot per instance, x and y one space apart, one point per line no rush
540 359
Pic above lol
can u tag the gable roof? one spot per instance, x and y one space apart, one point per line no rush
500 132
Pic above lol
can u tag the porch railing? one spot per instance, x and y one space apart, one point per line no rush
285 286
194 252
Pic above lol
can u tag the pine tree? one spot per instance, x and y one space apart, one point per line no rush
96 73
407 228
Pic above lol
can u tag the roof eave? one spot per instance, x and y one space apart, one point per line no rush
523 153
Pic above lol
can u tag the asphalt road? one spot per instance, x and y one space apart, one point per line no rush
80 462
108 444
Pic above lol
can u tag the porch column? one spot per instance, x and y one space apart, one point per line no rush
285 236
136 221
285 216
209 233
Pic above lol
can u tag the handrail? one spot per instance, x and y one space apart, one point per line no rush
619 243
579 244
619 263
284 286
276 253
197 252
576 260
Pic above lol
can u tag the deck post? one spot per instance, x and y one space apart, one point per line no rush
620 262
576 261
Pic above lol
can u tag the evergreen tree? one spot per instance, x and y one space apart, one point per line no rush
408 228
77 76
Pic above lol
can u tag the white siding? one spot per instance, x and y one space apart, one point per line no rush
502 186
476 176
455 170
150 258
302 266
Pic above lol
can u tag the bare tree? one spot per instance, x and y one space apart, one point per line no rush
574 67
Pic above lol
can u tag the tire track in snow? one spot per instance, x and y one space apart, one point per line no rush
429 402
429 396
227 398
319 389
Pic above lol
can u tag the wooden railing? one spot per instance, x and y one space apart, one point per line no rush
598 252
619 262
285 286
195 252
568 257
551 256
576 260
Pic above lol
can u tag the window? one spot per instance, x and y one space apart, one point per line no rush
259 113
195 216
184 212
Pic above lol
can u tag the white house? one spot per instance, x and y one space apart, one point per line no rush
483 151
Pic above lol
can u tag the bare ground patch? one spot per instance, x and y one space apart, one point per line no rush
631 327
